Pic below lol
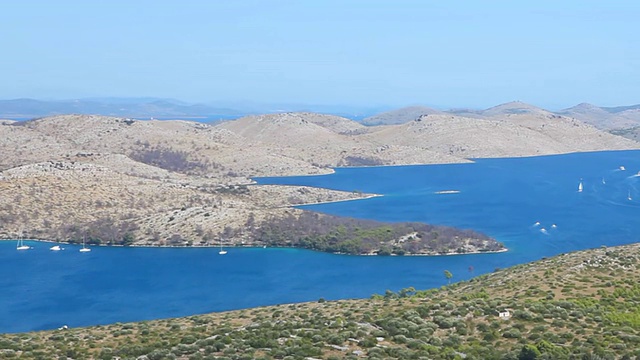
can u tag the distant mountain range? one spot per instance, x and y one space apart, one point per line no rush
122 107
605 118
158 108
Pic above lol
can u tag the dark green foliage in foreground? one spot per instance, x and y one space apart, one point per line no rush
168 159
361 161
102 231
576 306
355 236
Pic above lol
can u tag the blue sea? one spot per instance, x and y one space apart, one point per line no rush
532 205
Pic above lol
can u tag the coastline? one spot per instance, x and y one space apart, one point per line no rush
333 201
463 161
251 245
464 253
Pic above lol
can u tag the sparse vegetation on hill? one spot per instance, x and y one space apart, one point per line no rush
179 183
176 183
604 118
632 133
581 305
353 236
168 159
617 118
400 116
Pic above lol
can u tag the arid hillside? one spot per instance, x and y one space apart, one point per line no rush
615 118
501 136
125 181
400 116
612 119
438 138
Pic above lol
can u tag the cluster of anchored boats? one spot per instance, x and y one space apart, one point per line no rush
21 246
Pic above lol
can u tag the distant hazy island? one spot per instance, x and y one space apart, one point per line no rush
122 181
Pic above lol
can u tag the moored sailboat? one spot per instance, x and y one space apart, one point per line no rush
20 245
84 246
222 251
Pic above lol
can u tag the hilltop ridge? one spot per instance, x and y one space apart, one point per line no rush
513 107
609 118
400 116
605 118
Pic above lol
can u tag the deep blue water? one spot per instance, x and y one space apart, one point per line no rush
501 197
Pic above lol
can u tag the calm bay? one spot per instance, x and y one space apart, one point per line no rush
532 205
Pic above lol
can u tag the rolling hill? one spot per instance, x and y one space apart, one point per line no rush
513 108
177 183
400 116
604 118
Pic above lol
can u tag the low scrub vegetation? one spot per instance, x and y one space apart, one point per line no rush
361 161
168 159
343 235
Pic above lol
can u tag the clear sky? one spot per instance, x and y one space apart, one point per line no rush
445 54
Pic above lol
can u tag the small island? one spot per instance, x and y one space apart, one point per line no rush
352 236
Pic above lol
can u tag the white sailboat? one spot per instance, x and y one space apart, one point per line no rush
222 252
20 245
56 247
629 196
580 187
84 246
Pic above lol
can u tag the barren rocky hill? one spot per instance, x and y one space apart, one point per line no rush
407 114
603 118
500 136
400 116
67 200
328 141
120 180
514 107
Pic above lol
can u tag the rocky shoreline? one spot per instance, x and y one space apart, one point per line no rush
257 246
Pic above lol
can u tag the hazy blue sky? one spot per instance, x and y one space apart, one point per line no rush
445 54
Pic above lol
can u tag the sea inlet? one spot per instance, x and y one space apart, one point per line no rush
533 205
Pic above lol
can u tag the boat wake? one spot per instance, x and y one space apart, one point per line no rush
447 192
